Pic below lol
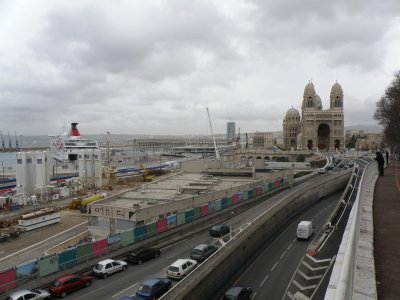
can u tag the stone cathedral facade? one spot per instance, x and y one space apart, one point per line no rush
315 128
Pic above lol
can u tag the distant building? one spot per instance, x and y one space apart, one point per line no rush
263 140
315 128
363 141
230 131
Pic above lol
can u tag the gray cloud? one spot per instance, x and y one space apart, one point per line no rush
153 67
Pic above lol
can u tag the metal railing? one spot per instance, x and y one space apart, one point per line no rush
341 285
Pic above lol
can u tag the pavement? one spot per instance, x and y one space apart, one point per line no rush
386 218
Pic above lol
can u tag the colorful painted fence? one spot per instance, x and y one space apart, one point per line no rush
8 280
162 225
171 221
204 210
139 233
99 248
67 259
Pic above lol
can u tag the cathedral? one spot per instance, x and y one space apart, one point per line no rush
315 128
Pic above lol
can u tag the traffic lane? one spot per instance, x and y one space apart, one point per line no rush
126 282
271 272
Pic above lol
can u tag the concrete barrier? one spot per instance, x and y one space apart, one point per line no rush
353 274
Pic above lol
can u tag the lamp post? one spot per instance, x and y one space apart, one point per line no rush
2 167
230 225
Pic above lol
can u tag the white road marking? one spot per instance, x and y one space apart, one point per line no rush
283 254
274 266
262 282
125 290
289 247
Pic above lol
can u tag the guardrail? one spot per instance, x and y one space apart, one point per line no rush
342 282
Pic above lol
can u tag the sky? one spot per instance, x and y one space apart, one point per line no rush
154 66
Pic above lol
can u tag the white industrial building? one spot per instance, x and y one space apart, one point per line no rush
32 172
90 169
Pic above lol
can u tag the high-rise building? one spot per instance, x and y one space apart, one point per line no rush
230 131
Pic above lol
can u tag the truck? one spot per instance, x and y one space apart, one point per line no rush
305 230
171 165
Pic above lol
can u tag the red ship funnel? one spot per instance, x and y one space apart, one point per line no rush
74 130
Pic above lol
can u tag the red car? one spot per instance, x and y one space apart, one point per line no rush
69 283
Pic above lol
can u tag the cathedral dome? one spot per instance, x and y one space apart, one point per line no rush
292 116
309 89
292 112
337 88
336 96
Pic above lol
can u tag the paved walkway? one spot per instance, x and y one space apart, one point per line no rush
386 215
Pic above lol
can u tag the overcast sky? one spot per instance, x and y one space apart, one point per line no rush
152 67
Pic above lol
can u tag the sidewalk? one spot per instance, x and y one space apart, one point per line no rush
386 214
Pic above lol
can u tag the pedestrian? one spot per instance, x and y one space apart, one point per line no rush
387 157
381 161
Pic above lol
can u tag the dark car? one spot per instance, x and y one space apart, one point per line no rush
140 255
69 283
153 288
128 298
238 293
219 230
201 252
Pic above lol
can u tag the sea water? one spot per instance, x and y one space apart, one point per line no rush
8 159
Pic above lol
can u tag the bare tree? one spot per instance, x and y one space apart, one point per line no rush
388 113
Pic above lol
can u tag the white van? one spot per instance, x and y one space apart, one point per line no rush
305 229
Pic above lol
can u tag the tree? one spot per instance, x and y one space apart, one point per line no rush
388 113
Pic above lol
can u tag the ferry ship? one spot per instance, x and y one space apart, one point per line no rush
64 147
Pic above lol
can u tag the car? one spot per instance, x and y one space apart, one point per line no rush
219 230
238 293
128 298
140 255
153 288
109 266
29 294
201 252
69 283
181 268
330 166
322 171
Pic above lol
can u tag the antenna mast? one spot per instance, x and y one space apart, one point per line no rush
212 134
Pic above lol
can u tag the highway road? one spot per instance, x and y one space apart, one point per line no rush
270 273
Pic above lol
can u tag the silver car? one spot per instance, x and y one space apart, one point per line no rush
29 294
108 266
